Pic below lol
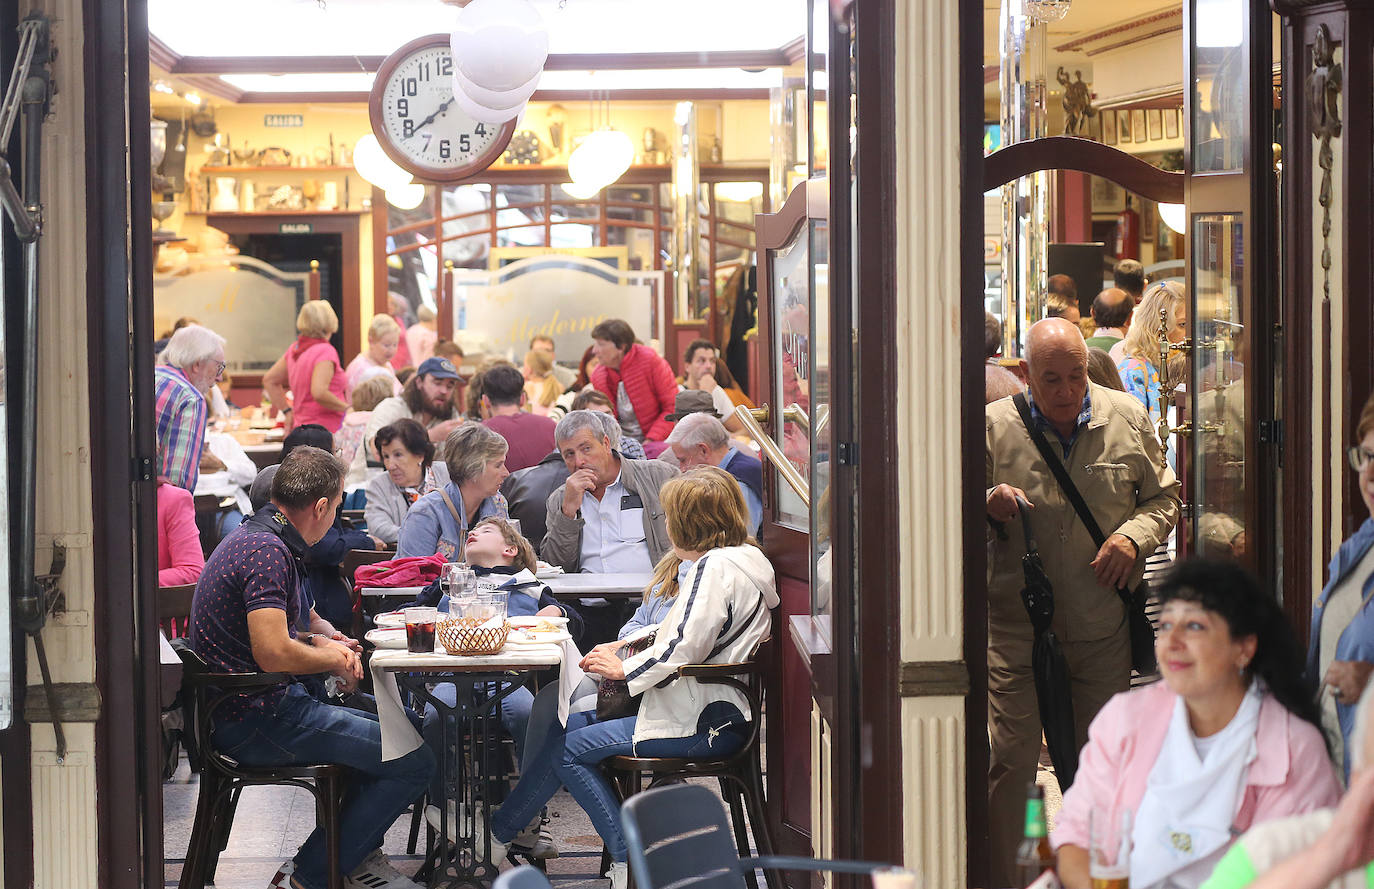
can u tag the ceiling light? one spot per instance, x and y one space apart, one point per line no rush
581 191
162 86
500 47
373 165
193 98
1175 216
406 197
602 158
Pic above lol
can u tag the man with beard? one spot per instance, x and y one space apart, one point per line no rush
427 399
191 363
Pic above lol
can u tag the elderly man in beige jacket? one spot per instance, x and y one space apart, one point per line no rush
1106 442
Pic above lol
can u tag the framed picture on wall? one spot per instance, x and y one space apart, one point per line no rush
1107 196
1155 123
1123 125
1171 123
1138 125
1108 127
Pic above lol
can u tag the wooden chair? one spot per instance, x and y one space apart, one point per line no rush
222 779
353 518
740 773
173 605
352 561
678 836
210 511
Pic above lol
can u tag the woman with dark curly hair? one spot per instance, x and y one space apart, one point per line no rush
1229 739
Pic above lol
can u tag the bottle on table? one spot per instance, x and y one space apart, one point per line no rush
1033 856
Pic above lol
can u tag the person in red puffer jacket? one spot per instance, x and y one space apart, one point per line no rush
633 375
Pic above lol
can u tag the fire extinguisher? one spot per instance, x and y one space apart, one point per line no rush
1128 233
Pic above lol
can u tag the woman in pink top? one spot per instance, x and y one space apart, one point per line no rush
311 369
1229 739
179 558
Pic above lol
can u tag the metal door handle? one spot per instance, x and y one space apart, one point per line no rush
789 473
793 413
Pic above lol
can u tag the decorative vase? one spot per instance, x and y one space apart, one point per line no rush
224 201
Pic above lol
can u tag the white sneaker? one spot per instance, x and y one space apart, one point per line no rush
619 874
432 816
535 841
377 872
498 848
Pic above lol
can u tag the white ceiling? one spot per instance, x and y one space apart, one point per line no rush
376 27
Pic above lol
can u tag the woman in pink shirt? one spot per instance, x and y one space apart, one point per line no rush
179 558
312 371
1229 739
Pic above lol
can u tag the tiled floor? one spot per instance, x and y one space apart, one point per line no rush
272 822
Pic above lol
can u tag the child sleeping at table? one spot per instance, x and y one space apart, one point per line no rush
502 560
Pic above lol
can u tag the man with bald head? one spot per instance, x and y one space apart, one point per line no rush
1105 440
1112 317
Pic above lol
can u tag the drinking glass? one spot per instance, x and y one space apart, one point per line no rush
420 625
1109 849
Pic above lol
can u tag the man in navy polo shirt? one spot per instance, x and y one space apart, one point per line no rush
243 620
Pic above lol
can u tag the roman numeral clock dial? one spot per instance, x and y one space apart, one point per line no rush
418 123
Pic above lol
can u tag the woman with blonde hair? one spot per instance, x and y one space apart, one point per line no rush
720 609
312 371
1139 360
541 386
383 339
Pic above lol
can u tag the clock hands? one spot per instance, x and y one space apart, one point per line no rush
429 120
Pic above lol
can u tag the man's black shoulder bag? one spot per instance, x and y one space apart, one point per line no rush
1142 631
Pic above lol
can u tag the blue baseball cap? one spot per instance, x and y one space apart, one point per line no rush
439 369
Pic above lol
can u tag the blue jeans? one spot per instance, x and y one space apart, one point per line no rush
304 730
515 716
569 757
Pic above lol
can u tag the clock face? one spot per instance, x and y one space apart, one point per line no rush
418 123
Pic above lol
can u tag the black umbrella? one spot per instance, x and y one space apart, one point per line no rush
1052 687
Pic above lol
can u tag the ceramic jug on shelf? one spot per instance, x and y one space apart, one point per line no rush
247 196
224 201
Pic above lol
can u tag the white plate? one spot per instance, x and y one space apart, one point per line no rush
520 637
392 638
545 570
390 619
533 620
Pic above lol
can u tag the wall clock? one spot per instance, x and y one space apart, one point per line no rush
417 122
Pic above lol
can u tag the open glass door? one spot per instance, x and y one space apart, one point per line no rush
1233 294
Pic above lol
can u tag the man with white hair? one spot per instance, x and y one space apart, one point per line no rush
1327 848
702 440
1104 440
191 363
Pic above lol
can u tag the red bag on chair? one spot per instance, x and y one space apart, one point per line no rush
410 571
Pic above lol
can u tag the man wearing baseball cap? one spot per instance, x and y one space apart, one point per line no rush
427 399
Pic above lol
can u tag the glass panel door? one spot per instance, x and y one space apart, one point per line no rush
792 301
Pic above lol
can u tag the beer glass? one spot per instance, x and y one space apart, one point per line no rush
1109 849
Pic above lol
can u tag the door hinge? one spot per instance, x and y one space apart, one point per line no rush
143 469
848 452
1270 431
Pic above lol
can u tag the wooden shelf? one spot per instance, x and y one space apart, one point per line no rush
279 169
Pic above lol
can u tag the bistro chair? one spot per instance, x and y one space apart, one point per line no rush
352 561
353 519
678 836
740 773
174 609
222 779
522 877
210 512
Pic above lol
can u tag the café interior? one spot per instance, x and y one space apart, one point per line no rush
775 177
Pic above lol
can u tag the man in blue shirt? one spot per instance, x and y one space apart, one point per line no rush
701 440
243 620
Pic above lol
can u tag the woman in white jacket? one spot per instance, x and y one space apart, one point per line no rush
719 615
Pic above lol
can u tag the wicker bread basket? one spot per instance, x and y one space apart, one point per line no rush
467 636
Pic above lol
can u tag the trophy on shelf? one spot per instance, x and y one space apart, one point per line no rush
163 208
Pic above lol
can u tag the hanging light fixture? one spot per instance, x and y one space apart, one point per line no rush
500 47
1175 216
602 157
580 191
406 197
373 165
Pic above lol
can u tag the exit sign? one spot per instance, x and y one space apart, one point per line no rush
283 120
295 228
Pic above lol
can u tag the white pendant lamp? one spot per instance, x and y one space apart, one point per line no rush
602 158
1175 216
580 191
373 165
406 197
500 47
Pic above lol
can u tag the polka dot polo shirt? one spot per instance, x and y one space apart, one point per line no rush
251 569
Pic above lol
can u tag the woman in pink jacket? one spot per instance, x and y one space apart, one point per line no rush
1229 739
639 383
179 559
